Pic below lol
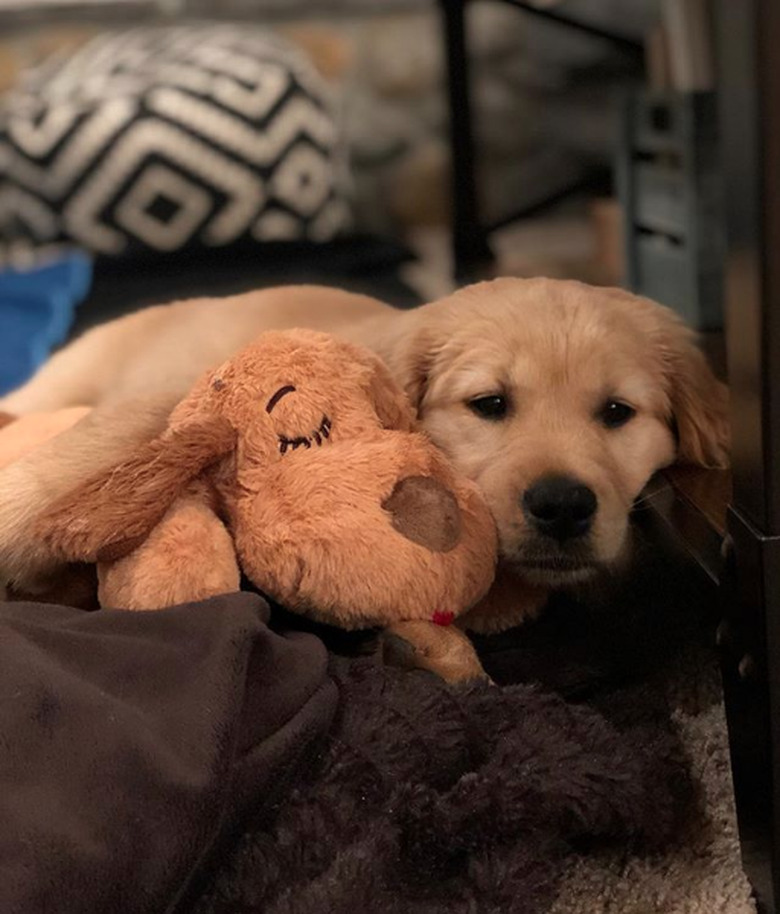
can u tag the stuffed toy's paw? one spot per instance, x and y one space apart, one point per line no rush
442 649
188 556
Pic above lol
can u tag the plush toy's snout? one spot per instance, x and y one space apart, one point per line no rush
426 512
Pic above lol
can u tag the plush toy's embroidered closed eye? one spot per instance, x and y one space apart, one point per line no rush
297 464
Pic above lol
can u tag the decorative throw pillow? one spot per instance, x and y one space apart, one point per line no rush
159 138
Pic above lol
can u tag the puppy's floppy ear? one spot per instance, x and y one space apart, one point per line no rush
698 399
389 401
411 353
700 407
113 512
392 405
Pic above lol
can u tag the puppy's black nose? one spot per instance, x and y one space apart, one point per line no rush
560 507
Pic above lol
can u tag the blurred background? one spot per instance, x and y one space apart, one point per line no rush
161 149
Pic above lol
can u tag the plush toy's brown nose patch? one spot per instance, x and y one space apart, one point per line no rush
426 512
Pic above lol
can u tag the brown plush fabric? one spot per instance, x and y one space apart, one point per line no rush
74 585
304 438
313 485
159 572
435 801
110 515
130 743
426 512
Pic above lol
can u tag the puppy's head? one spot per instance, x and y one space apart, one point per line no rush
561 400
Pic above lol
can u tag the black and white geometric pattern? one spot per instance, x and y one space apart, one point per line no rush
159 138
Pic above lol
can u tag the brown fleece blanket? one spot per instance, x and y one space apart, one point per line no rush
131 742
193 760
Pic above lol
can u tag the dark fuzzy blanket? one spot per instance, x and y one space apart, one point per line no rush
433 800
194 760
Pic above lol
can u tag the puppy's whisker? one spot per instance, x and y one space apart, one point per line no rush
644 500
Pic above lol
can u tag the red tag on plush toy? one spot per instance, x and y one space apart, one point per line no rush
443 618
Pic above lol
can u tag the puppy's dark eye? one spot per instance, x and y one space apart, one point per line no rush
494 406
615 413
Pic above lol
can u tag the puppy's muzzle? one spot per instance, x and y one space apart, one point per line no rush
560 507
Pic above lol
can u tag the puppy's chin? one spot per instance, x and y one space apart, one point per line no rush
556 576
546 564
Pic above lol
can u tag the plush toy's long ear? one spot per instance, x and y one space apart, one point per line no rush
113 512
31 484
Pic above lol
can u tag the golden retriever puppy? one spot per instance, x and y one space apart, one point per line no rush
560 400
167 347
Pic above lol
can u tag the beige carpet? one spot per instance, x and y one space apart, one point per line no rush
703 875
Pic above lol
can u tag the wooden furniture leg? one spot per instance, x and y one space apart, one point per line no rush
748 35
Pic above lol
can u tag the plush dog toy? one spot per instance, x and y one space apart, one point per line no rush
296 464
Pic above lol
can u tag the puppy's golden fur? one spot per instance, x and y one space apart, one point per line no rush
557 353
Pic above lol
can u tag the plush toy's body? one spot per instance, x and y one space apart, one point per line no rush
297 464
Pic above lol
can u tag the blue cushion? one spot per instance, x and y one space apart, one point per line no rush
37 308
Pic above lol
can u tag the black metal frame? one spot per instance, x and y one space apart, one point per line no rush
470 231
471 251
